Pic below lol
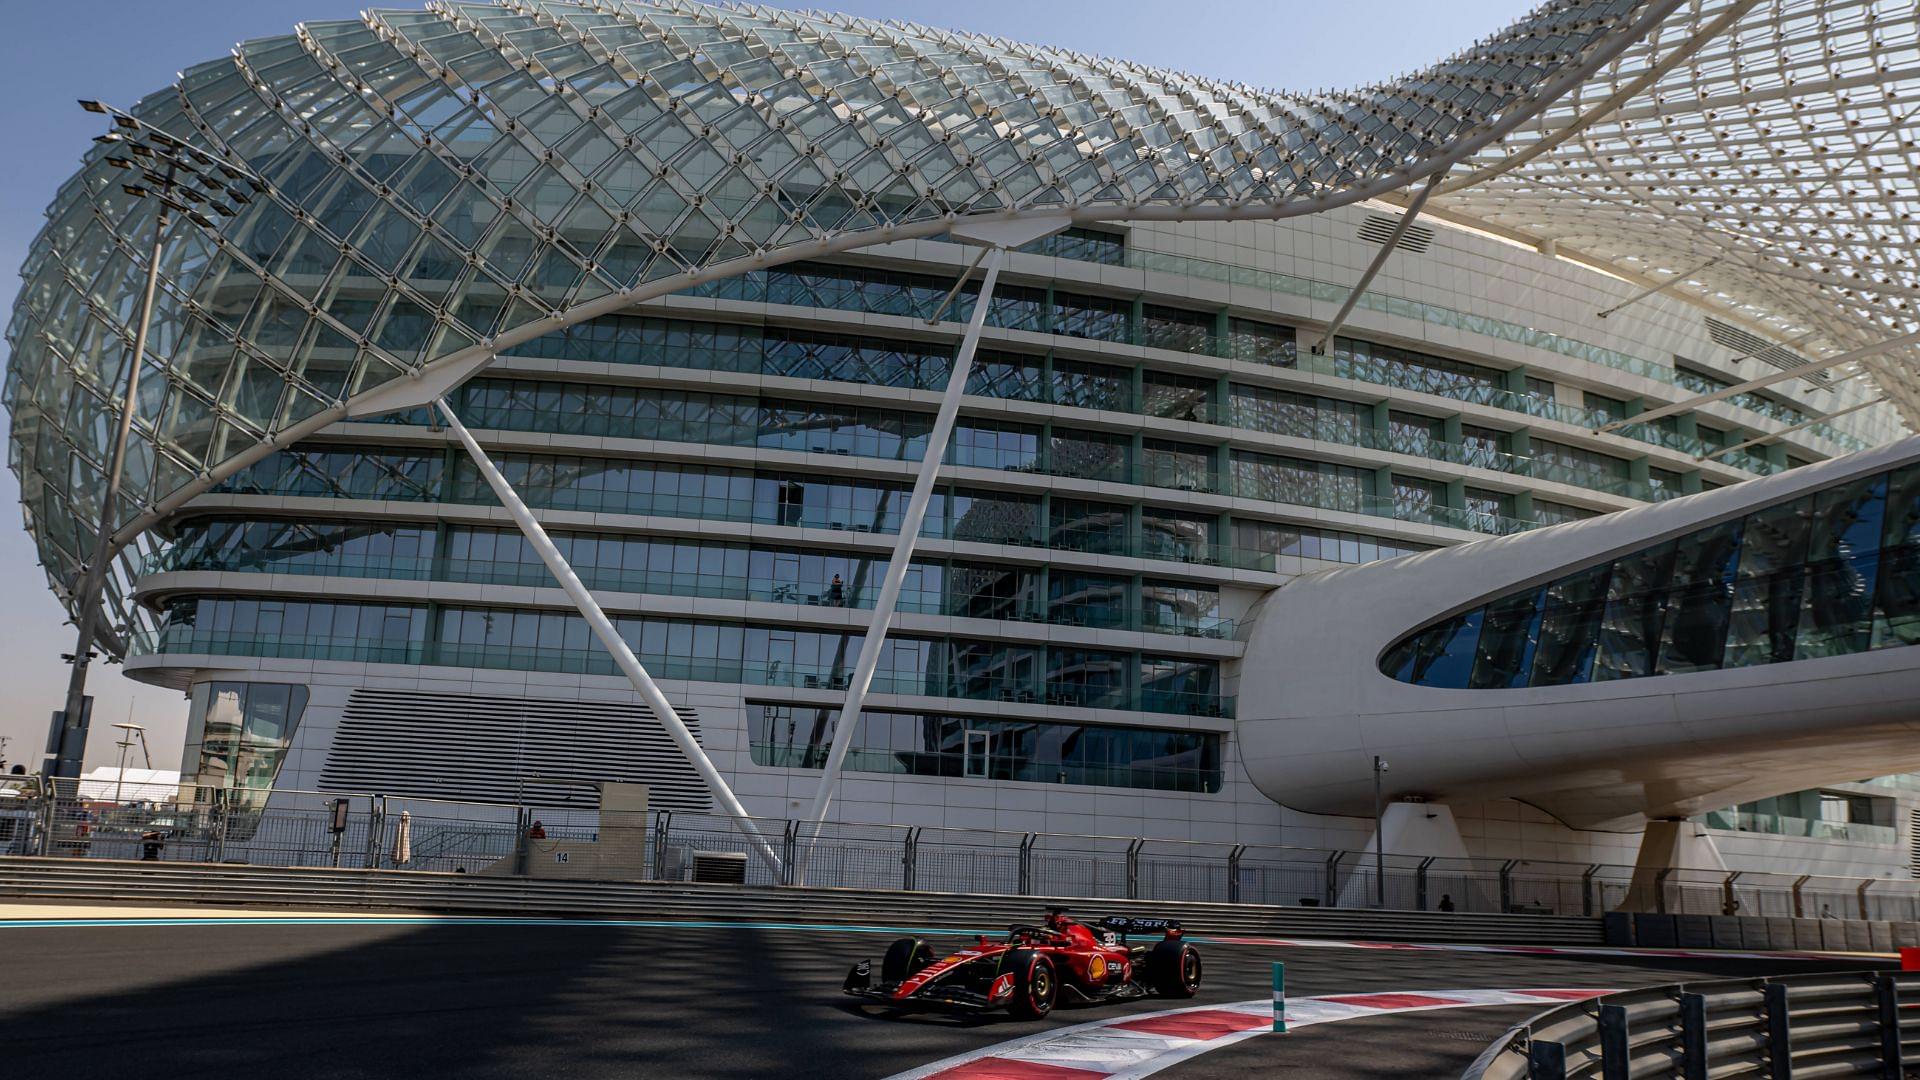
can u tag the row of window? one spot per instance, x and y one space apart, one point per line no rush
666 565
525 640
1038 752
1826 574
742 420
889 292
925 365
669 489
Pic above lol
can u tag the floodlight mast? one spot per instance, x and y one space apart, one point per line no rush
145 143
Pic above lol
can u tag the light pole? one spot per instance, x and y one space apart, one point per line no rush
126 744
1379 838
182 179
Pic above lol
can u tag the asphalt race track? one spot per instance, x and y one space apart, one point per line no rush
587 1001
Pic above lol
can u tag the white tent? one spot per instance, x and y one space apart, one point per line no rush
106 784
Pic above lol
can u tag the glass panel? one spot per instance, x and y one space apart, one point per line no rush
1695 631
1569 628
1843 553
1769 585
1636 608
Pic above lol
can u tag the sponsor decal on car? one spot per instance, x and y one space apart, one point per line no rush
1097 967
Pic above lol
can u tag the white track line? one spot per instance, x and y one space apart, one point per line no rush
1140 1044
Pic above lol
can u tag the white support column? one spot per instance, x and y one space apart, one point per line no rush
603 628
904 545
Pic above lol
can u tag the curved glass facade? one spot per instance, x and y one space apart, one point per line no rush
436 185
1827 574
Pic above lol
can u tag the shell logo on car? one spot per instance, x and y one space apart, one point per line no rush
1097 967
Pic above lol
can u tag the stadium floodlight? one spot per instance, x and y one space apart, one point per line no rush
163 185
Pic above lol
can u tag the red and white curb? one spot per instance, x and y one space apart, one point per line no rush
1126 1047
1541 950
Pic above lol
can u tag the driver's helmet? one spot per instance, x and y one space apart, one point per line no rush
1057 918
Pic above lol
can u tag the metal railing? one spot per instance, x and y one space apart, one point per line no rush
1849 1024
292 828
93 881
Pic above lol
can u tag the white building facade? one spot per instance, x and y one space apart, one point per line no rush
1148 452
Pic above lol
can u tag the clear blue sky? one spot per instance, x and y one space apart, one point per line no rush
118 50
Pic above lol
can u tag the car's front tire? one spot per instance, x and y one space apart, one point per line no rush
1173 969
904 959
1036 985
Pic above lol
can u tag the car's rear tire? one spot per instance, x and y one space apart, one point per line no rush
1173 969
1036 984
905 957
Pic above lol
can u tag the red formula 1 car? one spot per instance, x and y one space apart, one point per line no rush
1034 968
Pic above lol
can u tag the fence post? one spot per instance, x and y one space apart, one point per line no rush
1333 878
1546 1060
1420 883
662 820
1133 869
43 845
909 856
1026 864
1233 873
520 843
1586 890
1506 884
1864 886
1694 1063
1886 993
220 816
1779 1032
789 841
376 824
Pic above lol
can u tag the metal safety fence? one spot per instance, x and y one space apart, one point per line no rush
292 828
1850 1024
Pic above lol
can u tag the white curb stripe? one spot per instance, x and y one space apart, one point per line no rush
1127 1047
1543 950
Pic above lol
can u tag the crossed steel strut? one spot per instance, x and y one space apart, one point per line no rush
996 232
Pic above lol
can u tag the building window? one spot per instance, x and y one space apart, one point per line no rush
238 742
1082 245
1025 751
1831 573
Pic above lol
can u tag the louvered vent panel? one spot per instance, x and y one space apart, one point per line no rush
478 748
1378 228
1758 348
1913 843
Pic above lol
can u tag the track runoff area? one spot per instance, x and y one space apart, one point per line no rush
104 993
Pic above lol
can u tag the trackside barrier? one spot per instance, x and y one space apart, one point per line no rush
289 827
1646 930
67 881
1864 1023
